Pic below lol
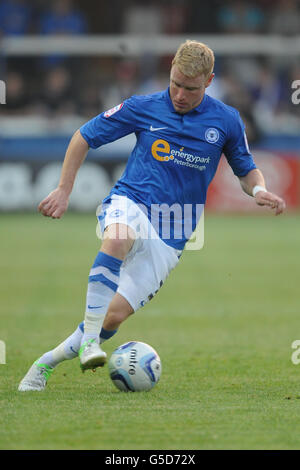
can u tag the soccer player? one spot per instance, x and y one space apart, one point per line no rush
181 134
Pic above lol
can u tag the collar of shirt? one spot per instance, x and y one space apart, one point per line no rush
198 109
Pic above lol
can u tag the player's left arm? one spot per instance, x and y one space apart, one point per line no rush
253 184
236 150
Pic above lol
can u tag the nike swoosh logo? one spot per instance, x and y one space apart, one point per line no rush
97 306
153 129
75 352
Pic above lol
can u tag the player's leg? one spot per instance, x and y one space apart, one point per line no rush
118 311
103 284
140 279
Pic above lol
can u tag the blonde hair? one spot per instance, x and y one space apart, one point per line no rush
194 58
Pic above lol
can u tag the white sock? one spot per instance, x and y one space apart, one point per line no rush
103 283
68 349
97 295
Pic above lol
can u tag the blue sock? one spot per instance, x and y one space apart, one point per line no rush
106 334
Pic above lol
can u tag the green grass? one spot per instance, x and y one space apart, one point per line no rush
223 325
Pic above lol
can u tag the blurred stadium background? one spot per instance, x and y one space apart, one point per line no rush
63 62
235 387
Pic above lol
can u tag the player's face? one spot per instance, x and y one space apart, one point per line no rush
187 93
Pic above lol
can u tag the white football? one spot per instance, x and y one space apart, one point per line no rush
134 367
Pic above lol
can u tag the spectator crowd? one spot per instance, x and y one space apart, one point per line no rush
58 85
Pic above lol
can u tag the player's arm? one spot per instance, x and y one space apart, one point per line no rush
102 129
253 184
56 203
237 152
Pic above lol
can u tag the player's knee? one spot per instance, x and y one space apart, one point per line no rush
116 247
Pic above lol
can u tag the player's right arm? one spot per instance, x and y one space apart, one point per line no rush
102 129
56 203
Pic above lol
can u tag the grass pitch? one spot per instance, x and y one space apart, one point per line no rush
223 325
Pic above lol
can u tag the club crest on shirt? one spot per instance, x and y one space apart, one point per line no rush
212 135
113 110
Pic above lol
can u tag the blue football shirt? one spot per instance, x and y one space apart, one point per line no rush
176 155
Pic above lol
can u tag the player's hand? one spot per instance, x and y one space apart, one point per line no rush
271 200
55 204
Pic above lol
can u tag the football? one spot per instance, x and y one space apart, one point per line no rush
134 367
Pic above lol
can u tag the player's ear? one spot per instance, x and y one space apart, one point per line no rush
209 80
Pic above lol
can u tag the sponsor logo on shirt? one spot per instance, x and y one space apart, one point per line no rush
161 151
113 110
161 146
